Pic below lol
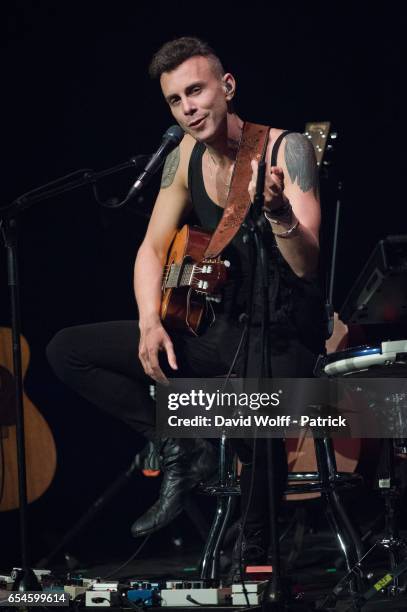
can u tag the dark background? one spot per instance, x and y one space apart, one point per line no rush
76 94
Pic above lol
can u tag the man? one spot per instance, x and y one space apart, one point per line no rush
100 362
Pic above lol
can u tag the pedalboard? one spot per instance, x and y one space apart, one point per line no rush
96 592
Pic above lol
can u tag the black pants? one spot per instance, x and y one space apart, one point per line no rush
100 362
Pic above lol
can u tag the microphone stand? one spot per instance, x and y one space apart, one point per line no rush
25 578
275 597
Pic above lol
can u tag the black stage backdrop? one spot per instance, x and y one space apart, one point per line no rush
76 94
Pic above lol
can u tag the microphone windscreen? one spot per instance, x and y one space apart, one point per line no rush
174 133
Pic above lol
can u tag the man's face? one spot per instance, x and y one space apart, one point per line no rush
196 97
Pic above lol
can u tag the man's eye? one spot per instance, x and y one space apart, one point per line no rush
196 90
174 101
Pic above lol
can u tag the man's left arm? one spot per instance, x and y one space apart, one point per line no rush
291 203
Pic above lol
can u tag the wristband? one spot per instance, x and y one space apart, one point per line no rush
280 212
288 233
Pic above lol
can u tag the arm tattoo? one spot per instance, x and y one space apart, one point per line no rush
170 168
301 163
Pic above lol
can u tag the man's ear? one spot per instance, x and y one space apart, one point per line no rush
229 85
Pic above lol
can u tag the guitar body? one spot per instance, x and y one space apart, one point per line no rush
189 279
39 443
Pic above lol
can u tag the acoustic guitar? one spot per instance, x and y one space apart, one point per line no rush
39 443
190 281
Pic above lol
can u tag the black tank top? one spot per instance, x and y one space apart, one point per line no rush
296 306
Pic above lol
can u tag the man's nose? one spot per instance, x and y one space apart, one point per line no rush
188 106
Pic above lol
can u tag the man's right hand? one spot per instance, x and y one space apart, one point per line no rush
154 338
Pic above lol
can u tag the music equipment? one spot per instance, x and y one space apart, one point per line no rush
386 360
190 280
39 442
379 294
186 594
389 360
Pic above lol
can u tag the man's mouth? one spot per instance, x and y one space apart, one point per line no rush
196 122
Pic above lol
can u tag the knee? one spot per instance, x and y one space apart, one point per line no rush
60 351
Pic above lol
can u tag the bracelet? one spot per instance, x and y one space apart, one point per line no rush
281 211
288 233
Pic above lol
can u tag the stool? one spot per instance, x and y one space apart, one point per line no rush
326 481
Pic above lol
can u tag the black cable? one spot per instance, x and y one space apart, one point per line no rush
243 524
43 192
253 269
3 471
254 253
136 605
133 556
197 603
239 347
246 336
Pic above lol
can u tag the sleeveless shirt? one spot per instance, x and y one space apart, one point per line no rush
296 306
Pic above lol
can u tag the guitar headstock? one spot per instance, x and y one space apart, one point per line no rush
323 140
209 275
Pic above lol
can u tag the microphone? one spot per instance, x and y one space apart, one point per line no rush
171 139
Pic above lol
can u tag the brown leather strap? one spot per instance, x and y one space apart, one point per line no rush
253 144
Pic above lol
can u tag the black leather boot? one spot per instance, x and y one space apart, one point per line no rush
184 463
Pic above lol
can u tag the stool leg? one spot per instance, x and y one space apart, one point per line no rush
341 525
209 567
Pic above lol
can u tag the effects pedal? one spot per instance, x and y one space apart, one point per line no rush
103 599
103 594
144 593
193 593
254 593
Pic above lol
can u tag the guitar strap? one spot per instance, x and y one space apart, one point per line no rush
253 145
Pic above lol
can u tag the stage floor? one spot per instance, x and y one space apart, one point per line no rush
312 575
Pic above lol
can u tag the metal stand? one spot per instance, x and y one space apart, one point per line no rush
391 542
225 491
274 595
348 540
395 547
25 579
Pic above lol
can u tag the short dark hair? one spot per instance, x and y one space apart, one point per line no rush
175 52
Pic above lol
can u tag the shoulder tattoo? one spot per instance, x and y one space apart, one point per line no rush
301 163
170 168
